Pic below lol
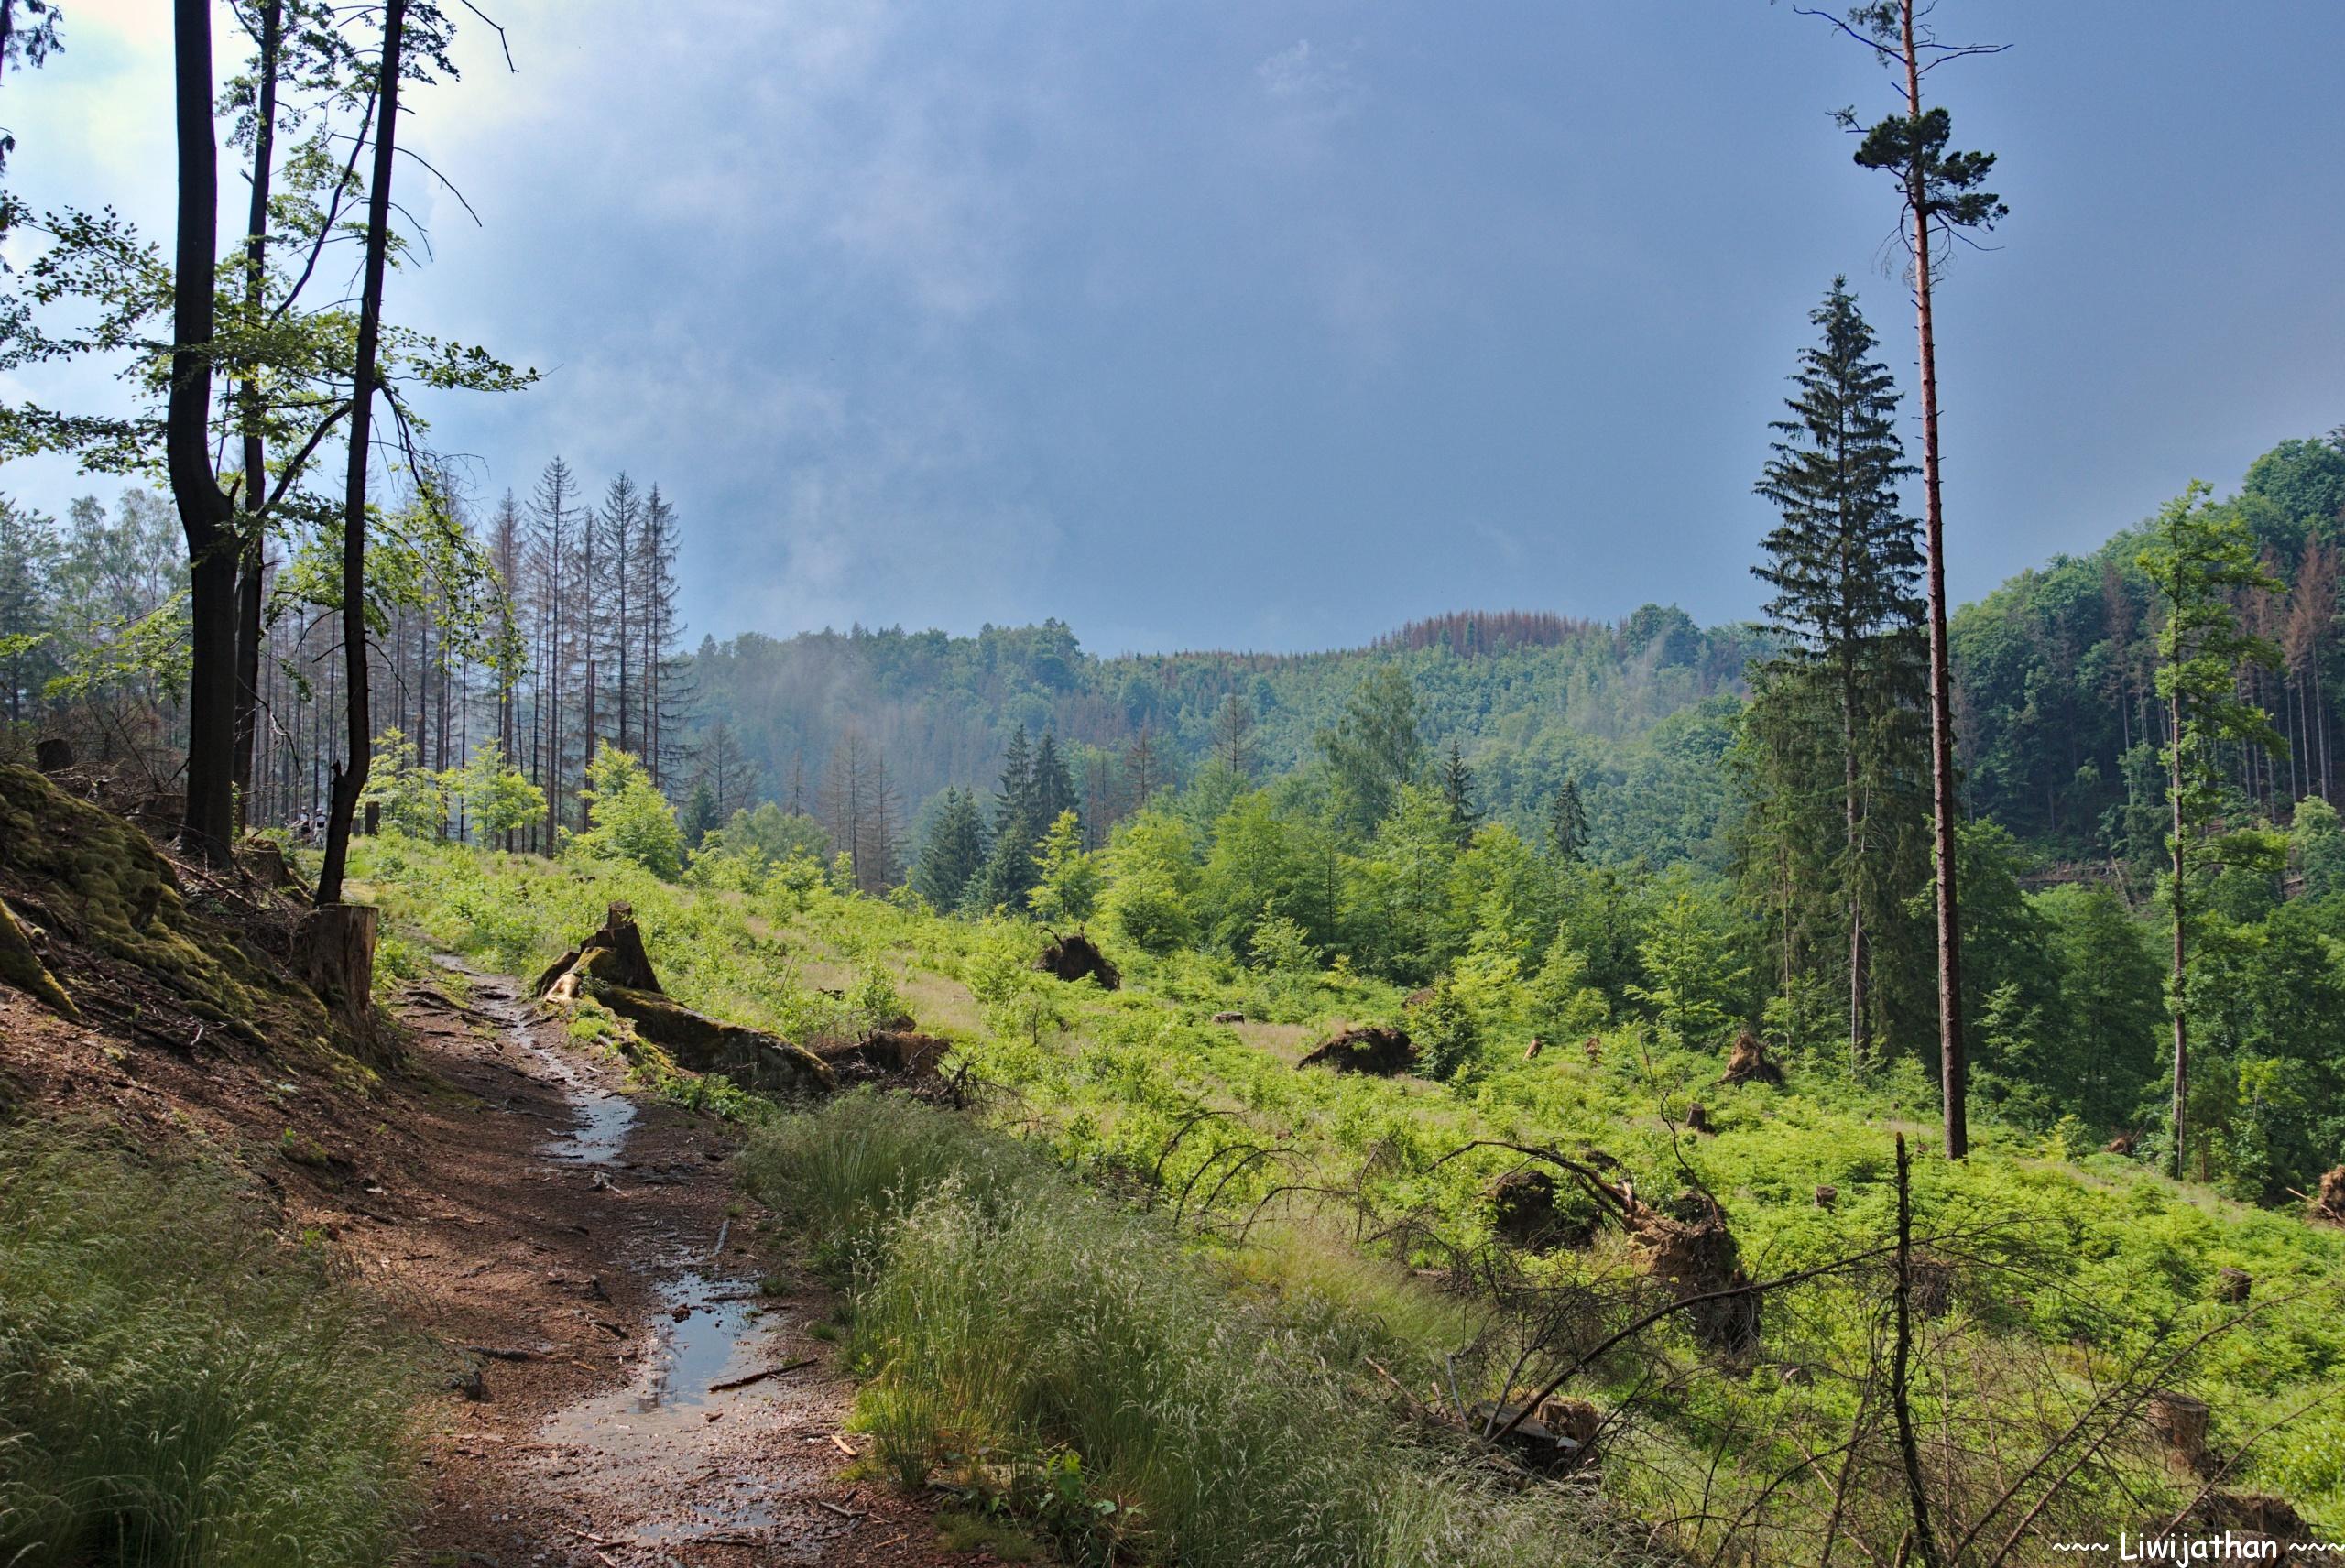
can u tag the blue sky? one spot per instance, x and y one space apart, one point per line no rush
1273 324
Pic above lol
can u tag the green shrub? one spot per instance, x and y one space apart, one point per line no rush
177 1388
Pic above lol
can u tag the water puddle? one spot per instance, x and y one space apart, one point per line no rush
718 1338
604 1119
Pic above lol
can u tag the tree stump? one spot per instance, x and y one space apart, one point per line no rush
373 822
334 954
1826 1197
2179 1423
2233 1285
53 756
1697 1120
1531 1052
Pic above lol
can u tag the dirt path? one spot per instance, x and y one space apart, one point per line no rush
596 1275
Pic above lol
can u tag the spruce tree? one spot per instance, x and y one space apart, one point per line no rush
1567 823
1009 868
1845 564
1457 791
953 852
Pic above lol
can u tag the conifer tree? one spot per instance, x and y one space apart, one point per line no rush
1567 823
1943 195
953 852
1458 792
1017 824
1845 562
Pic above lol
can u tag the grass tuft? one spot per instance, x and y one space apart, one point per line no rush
1028 1338
177 1388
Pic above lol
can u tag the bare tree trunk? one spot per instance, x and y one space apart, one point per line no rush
1953 1069
1901 1365
352 779
206 515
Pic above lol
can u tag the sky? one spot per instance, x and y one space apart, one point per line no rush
1271 324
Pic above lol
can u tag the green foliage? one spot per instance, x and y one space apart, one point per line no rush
1066 879
1152 881
1562 1006
1831 764
498 797
1695 989
2316 848
1376 746
952 852
628 818
178 1390
1102 1082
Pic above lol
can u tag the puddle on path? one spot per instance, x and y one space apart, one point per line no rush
605 1117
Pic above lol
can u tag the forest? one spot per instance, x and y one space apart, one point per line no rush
1514 1087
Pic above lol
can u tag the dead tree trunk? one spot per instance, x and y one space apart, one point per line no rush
1901 1365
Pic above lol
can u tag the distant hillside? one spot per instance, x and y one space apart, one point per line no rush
1640 709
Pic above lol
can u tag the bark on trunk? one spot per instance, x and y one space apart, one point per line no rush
206 514
1953 1068
248 594
333 950
360 736
1859 998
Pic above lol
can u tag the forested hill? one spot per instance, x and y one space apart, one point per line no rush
1640 709
2056 710
2057 714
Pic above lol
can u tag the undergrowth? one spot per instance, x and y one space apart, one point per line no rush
1141 1092
179 1390
1031 1343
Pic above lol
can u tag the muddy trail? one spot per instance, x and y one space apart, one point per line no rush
634 1379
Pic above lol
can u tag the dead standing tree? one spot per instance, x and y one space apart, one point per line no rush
1943 200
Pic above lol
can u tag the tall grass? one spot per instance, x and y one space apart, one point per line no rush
1015 1324
178 1390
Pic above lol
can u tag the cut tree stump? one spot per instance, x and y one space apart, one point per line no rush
333 955
2179 1423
